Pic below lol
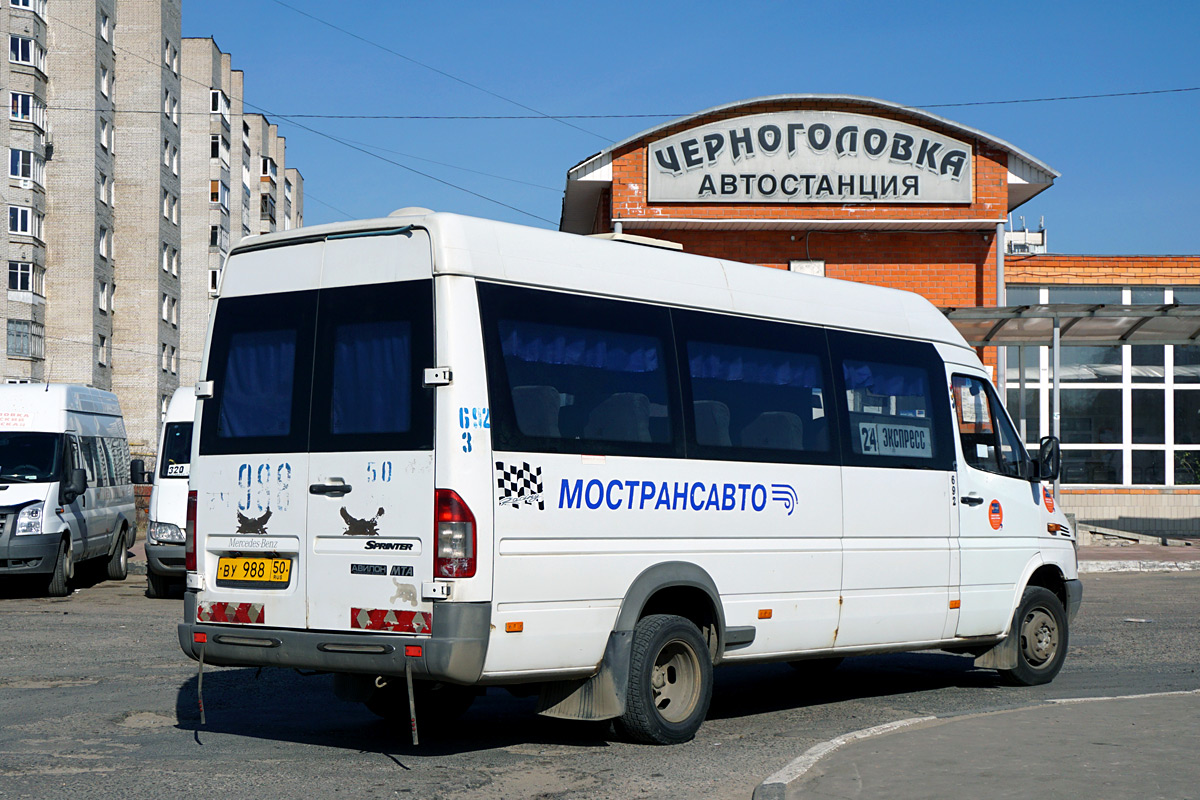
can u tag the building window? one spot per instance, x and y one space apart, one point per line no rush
24 221
26 277
104 80
268 168
219 103
214 235
23 50
174 312
102 350
104 134
166 204
27 165
166 258
102 243
163 358
174 361
214 281
175 209
165 310
104 27
219 193
219 148
26 339
25 107
174 262
102 188
166 152
36 6
174 160
102 297
267 207
167 52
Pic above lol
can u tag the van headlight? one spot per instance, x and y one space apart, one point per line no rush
164 533
30 519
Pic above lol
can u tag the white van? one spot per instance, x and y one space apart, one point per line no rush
65 489
468 453
168 498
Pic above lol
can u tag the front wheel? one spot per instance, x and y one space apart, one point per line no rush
670 681
62 571
1040 626
118 562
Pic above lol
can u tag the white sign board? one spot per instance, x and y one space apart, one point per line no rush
809 157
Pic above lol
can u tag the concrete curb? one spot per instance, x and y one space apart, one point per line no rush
776 786
1138 566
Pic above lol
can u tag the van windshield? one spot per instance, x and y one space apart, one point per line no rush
176 450
30 457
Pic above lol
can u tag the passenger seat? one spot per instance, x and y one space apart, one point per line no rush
623 417
777 430
537 408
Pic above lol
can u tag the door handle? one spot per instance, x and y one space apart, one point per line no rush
971 500
334 487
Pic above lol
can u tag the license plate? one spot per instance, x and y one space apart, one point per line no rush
274 572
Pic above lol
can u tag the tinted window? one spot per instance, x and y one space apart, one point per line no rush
260 362
176 451
755 390
896 407
575 374
93 461
373 345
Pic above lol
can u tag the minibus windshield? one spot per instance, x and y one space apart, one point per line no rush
30 457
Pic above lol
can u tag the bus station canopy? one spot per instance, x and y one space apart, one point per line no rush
1078 324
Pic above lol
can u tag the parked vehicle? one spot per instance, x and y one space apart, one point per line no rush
168 499
65 489
463 453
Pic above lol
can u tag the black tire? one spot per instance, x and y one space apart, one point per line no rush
816 667
157 585
118 562
62 570
438 704
670 681
1040 628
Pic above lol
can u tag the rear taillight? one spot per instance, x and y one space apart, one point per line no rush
189 538
453 536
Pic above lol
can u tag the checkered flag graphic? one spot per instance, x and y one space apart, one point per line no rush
520 485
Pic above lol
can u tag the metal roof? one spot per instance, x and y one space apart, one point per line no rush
1092 325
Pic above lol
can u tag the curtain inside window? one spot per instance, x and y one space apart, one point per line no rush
256 398
372 378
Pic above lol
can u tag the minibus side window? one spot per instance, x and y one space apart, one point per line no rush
574 374
373 344
893 395
109 459
91 461
260 363
989 441
755 390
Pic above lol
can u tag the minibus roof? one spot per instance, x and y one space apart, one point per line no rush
518 254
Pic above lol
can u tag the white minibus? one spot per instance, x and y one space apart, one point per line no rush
448 453
65 489
168 499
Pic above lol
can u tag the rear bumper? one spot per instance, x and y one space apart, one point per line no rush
34 554
454 651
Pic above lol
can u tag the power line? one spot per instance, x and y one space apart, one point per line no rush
438 71
1057 99
331 137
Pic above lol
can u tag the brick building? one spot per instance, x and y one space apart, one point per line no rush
866 190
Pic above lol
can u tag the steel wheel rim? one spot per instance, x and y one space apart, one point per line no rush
675 681
1039 637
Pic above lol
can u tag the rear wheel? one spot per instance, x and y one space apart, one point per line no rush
118 562
62 571
1040 626
670 681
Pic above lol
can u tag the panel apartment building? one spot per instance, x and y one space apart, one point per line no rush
119 197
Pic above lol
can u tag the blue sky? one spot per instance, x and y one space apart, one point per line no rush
1130 165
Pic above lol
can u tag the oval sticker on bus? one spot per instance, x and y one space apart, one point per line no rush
995 515
1049 499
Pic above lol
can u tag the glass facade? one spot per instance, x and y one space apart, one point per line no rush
1130 415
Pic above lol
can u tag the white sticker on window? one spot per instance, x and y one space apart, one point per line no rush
177 470
894 440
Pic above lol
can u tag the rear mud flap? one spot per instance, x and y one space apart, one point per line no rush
599 697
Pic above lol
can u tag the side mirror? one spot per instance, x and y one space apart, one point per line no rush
138 473
1049 460
75 486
